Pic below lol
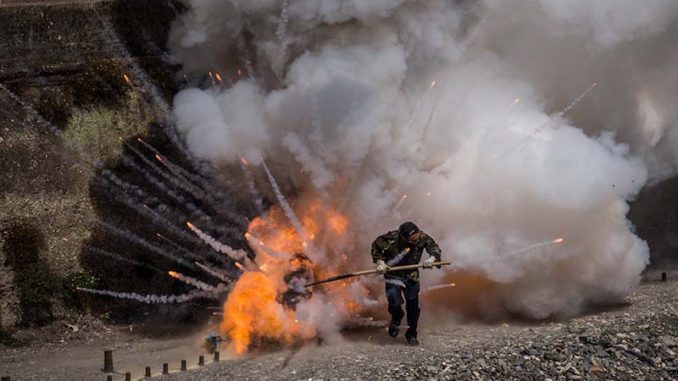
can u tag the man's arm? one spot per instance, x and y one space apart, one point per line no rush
432 248
377 251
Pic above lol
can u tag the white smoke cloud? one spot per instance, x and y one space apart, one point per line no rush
343 91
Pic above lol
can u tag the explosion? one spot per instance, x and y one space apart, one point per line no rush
270 303
496 126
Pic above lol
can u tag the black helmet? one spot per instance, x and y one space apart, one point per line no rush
408 229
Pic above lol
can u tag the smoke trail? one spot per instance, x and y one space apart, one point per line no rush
179 182
216 245
214 272
178 170
256 196
122 259
153 180
439 286
395 260
289 212
193 282
145 244
541 128
150 298
260 244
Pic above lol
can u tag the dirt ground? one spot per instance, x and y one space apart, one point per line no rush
638 340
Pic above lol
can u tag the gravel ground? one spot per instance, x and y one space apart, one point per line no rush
635 341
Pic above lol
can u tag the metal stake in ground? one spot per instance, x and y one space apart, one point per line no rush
367 272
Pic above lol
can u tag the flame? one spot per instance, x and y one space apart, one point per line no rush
126 78
244 162
158 157
173 274
558 240
218 77
239 72
515 101
254 309
238 265
190 225
433 84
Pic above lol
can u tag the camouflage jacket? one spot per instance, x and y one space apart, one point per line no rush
391 249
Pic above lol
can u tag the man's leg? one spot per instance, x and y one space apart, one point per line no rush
412 306
395 302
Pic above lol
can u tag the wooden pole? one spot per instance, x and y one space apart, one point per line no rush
367 272
201 360
108 361
165 368
148 372
216 356
183 365
128 376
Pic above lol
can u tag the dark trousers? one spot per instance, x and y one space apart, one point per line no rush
396 288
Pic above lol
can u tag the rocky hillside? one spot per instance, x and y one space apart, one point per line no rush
70 93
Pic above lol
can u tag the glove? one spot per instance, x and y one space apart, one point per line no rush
382 267
428 263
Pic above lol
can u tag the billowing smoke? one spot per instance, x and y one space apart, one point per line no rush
462 106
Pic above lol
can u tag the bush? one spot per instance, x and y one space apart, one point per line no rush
98 130
71 296
7 340
36 286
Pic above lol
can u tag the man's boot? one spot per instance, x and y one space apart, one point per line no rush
411 338
393 328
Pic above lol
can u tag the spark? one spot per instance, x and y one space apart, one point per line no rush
433 84
239 266
402 199
218 77
239 72
515 101
243 161
158 157
193 282
428 194
439 286
558 240
126 78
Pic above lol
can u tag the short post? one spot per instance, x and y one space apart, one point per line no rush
148 372
664 277
128 376
5 378
201 360
183 365
165 368
108 361
216 356
109 377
